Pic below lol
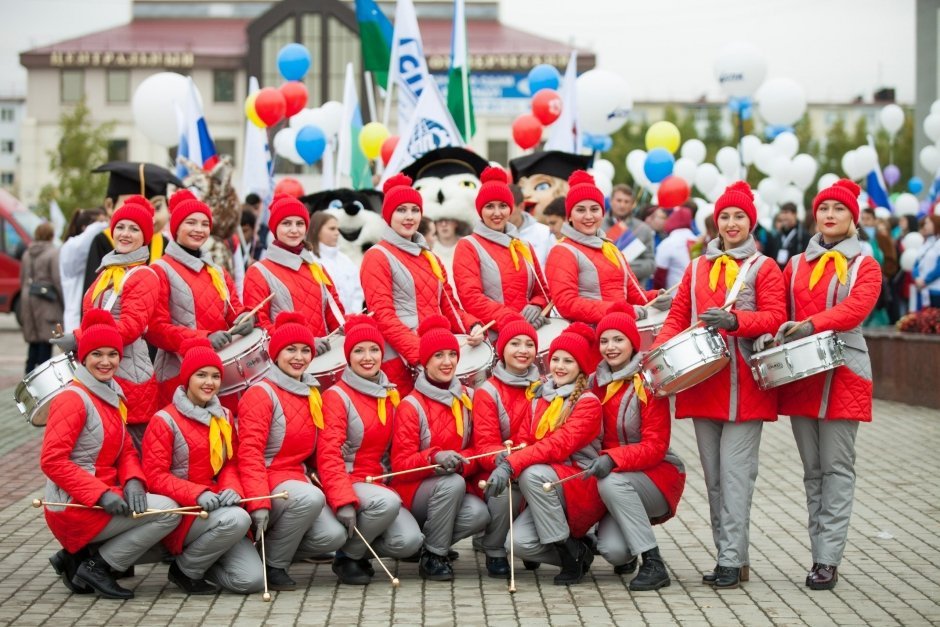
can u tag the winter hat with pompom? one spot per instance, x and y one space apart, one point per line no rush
578 341
738 195
581 187
359 329
197 354
98 330
398 191
513 325
435 336
181 210
620 317
495 188
287 207
844 191
138 210
290 327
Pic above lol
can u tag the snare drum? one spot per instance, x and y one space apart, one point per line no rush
685 360
476 362
546 333
34 394
328 367
650 327
244 362
797 360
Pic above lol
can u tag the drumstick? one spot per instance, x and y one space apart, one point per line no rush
59 331
256 309
668 291
482 330
280 495
179 511
40 503
512 551
548 308
795 328
698 323
548 485
266 596
371 479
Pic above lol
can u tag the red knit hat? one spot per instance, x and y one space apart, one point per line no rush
495 188
138 210
98 331
197 354
844 191
623 319
398 191
581 187
514 325
360 329
578 341
185 208
287 207
290 327
180 196
435 336
739 195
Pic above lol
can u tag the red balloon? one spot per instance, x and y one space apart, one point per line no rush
289 186
270 106
388 147
546 106
673 191
295 97
526 131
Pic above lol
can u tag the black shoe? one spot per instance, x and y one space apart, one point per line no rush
366 565
626 569
350 572
727 577
279 580
412 559
123 574
825 577
453 555
812 572
65 564
653 574
189 585
95 573
590 539
497 567
435 567
528 565
709 578
576 558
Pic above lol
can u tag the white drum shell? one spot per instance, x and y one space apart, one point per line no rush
34 394
476 362
685 361
797 360
244 362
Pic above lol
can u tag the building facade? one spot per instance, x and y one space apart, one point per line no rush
11 117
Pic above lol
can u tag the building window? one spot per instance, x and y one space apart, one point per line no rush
73 85
7 146
117 150
6 179
7 114
223 86
498 150
119 85
224 146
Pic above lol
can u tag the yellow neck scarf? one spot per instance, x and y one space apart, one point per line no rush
840 262
532 390
316 407
456 407
318 274
122 409
518 247
218 282
111 274
614 386
393 396
435 267
611 253
220 442
549 420
731 272
156 247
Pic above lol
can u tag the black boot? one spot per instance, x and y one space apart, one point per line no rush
65 564
453 555
350 572
626 569
530 565
123 574
497 567
187 584
727 577
95 573
653 574
710 577
278 579
435 567
574 556
366 565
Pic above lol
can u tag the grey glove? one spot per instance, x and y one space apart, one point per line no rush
450 460
498 480
763 342
67 343
600 467
208 501
243 324
260 519
218 339
229 497
113 504
719 318
532 314
501 456
320 346
640 312
135 495
346 515
806 329
662 302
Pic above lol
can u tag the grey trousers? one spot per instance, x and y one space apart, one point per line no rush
446 513
544 521
494 538
208 545
300 526
827 448
239 569
126 539
729 452
632 499
390 529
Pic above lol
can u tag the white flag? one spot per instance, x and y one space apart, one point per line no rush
408 69
431 127
57 218
564 134
256 163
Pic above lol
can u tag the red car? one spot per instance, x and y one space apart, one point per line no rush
17 225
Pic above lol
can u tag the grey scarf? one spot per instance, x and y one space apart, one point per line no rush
379 388
604 376
515 380
549 391
290 384
288 259
201 415
502 238
747 248
445 397
591 241
110 392
175 251
114 258
850 247
412 246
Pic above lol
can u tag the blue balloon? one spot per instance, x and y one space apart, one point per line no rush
293 61
658 165
915 185
597 143
310 143
772 131
543 76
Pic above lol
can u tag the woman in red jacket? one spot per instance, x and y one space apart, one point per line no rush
404 283
639 478
587 273
563 440
278 420
502 410
358 412
495 272
729 408
825 409
433 426
88 459
189 455
197 298
290 271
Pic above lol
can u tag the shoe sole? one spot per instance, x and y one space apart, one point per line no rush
194 593
78 581
656 586
59 568
573 582
497 575
825 586
733 586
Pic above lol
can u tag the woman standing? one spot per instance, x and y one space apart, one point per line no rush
73 255
927 267
404 283
40 296
729 409
825 409
324 240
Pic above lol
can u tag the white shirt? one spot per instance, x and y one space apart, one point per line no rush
673 254
446 255
345 277
537 234
73 255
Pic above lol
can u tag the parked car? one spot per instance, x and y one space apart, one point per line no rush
17 225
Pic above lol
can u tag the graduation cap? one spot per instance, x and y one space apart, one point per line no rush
443 162
550 162
146 179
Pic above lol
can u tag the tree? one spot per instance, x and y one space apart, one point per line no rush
837 144
714 138
82 146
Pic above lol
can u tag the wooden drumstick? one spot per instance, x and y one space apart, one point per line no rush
257 308
40 503
667 291
266 596
699 323
795 328
179 511
371 478
549 485
548 308
512 551
482 331
280 495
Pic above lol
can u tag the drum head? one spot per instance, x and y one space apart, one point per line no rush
240 344
473 358
552 328
331 360
34 394
654 318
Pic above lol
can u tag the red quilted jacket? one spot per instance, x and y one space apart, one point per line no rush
489 432
99 439
184 479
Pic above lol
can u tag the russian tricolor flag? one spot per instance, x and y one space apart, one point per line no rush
195 142
875 185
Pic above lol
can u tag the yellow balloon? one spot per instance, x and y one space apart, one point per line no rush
250 112
371 138
663 135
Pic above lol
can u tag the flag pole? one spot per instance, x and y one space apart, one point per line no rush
466 103
370 96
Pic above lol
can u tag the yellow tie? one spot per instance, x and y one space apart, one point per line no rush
318 274
393 396
122 409
220 442
518 247
435 267
532 390
218 282
457 410
316 407
610 251
612 388
638 387
156 247
840 262
731 272
111 274
549 420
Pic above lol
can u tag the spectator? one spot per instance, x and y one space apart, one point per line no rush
927 267
790 238
428 230
674 253
41 301
882 249
622 202
632 236
530 230
448 233
248 241
554 216
324 239
73 256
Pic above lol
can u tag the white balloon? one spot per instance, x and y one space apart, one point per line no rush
935 107
932 126
930 158
764 157
705 177
635 160
740 69
850 167
765 214
786 144
704 210
719 189
791 193
781 101
602 181
892 118
154 106
769 190
285 145
780 170
693 149
866 159
906 203
912 240
802 170
332 117
685 169
307 117
826 180
749 146
909 258
605 168
729 163
604 102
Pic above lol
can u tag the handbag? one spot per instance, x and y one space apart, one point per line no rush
40 289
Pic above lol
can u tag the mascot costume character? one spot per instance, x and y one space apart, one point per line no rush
359 214
543 176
